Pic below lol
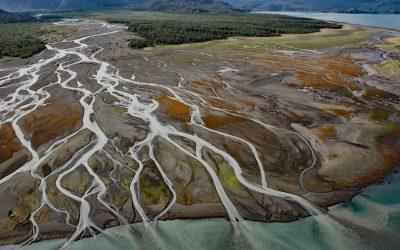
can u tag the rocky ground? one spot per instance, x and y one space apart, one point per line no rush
94 134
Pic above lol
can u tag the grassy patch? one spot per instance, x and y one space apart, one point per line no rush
391 69
309 41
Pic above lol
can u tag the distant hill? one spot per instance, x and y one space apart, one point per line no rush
349 6
7 17
209 6
187 6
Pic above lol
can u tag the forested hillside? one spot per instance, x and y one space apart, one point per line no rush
19 40
7 17
353 6
189 6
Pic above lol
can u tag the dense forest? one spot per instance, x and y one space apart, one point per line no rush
7 17
18 35
19 40
163 28
22 34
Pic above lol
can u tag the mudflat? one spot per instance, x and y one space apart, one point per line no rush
95 134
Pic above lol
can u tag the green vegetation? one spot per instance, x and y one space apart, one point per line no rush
50 18
183 6
23 35
187 6
165 28
391 69
7 17
299 41
379 114
19 40
139 43
26 39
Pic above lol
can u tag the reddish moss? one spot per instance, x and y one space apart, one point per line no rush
9 143
373 93
391 157
344 65
174 108
215 120
342 112
326 131
52 121
379 114
219 104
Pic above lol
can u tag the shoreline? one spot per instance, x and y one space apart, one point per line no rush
386 181
300 14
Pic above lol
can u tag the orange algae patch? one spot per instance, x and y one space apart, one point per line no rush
343 65
378 94
314 81
187 200
329 68
195 91
203 84
247 103
220 105
51 122
9 143
328 72
215 120
291 116
325 131
342 112
177 110
211 88
335 79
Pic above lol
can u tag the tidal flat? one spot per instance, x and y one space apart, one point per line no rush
97 135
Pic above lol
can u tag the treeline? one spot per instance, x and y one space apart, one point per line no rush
20 32
164 28
49 18
7 17
19 40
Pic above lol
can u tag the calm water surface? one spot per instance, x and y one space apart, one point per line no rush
374 20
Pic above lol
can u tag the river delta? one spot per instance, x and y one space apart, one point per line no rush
97 135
